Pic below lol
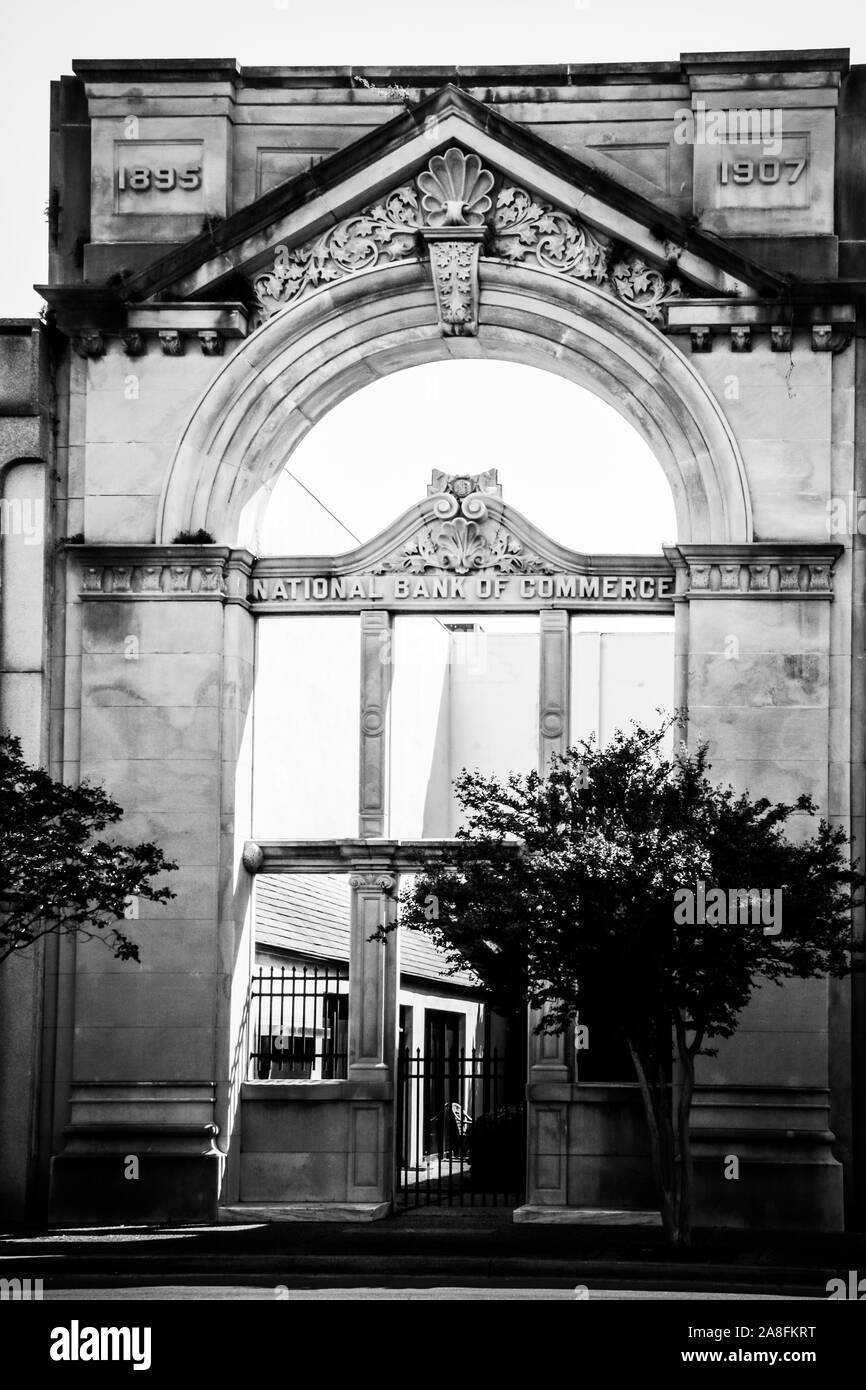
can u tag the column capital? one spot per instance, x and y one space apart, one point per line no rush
373 882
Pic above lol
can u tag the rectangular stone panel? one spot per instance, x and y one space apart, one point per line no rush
295 1126
158 785
144 733
143 998
179 678
163 1053
161 625
365 1152
547 1152
293 1177
168 946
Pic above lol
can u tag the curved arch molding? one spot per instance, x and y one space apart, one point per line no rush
313 354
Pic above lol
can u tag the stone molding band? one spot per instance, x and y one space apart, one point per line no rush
762 570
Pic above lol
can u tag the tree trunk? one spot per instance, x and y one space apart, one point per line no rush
684 1139
661 1134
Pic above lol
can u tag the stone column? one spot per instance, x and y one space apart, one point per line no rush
373 976
164 697
375 694
553 703
760 677
550 1072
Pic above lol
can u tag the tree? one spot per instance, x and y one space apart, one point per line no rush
55 875
593 885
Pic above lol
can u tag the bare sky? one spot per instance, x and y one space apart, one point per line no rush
566 459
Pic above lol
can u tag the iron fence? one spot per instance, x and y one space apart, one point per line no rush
299 1018
461 1130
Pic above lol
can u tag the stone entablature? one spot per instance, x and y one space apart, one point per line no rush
766 569
308 584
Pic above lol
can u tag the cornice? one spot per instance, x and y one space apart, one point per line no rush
161 572
761 570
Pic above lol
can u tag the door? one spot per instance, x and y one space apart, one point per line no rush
442 1083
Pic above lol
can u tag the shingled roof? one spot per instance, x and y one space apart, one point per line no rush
308 915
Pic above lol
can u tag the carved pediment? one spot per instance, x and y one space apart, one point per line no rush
453 211
467 535
462 544
451 180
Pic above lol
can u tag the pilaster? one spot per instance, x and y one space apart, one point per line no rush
375 696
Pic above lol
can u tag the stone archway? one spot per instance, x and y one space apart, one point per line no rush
311 356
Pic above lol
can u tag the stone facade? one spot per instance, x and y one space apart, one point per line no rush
235 251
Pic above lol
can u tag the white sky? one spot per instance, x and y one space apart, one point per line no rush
566 459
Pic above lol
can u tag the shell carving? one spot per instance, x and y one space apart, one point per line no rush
455 190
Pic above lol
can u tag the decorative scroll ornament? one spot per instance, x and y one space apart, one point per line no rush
524 228
466 540
450 210
384 232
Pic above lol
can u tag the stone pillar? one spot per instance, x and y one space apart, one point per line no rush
555 684
375 694
165 683
760 675
550 1069
548 1053
373 977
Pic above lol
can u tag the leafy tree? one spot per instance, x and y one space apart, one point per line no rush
56 876
564 892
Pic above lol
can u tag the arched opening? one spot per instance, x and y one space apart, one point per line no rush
566 459
305 360
465 685
373 716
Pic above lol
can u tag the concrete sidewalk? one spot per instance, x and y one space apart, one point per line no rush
432 1247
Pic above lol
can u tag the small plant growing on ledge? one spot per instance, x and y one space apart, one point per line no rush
199 537
77 539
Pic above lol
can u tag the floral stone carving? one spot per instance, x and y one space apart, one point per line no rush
385 232
455 278
524 228
465 539
450 211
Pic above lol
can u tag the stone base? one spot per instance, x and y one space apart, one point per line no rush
584 1216
242 1212
171 1189
770 1196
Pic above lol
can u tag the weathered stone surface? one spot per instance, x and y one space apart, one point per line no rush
166 418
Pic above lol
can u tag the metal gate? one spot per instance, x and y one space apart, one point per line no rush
461 1130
